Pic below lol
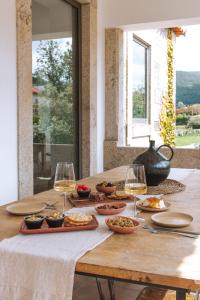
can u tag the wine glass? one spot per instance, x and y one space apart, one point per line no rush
135 183
64 180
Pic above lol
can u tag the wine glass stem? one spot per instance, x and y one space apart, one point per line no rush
65 202
135 208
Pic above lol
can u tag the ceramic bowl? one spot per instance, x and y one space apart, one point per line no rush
84 194
55 222
123 230
111 208
33 224
106 189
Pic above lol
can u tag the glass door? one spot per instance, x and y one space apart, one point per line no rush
54 88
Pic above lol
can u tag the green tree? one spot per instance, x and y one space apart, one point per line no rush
139 107
55 108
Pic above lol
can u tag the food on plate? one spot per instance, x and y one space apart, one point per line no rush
77 219
56 219
153 202
83 190
94 196
122 222
106 187
105 184
33 221
119 195
112 206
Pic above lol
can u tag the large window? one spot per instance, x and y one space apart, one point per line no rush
55 88
138 87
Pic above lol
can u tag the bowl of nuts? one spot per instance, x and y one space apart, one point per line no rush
106 187
121 224
56 219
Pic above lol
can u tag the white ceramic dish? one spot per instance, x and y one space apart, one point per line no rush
146 208
172 219
22 209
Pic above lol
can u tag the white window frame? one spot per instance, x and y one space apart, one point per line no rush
137 127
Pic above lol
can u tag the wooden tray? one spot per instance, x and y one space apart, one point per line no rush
82 202
46 229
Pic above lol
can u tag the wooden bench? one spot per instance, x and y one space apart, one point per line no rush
149 293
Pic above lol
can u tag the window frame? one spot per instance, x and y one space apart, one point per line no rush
133 122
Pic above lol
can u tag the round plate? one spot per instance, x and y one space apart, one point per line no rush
140 206
22 209
172 219
111 211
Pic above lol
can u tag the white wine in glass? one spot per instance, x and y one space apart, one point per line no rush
64 179
135 183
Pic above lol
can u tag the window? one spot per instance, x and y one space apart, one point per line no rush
55 88
138 88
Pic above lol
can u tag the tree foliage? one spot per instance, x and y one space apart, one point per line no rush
53 118
139 106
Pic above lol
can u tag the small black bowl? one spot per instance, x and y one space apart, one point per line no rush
84 194
33 224
55 222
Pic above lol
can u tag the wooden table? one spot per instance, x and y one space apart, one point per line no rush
164 260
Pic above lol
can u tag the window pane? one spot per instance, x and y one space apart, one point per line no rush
54 95
139 81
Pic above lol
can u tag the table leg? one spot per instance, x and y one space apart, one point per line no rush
99 287
181 295
111 289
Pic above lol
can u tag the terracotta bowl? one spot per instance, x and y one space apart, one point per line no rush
108 209
106 189
123 230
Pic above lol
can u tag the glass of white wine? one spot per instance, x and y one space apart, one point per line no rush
64 180
135 183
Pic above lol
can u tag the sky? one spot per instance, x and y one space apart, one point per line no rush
188 49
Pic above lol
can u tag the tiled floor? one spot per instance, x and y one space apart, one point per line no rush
85 288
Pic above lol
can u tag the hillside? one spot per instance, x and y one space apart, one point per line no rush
188 87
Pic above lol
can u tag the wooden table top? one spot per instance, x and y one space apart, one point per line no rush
163 259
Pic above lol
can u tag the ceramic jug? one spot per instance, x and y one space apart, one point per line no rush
157 166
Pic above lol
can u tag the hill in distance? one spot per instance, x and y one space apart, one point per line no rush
188 87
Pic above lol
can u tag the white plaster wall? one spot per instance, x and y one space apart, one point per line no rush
8 101
127 12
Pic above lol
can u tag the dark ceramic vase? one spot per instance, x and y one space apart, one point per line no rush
157 166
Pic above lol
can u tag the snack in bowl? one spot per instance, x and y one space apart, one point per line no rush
121 224
106 187
34 221
56 219
153 202
83 191
110 208
77 219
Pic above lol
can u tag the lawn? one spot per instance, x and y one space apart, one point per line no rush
187 140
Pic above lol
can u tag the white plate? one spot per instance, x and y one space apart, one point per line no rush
172 219
23 209
146 208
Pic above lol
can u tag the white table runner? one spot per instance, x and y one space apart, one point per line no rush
41 267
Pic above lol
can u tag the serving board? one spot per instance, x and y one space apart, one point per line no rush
81 202
46 229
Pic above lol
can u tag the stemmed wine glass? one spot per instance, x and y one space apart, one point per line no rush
64 179
135 183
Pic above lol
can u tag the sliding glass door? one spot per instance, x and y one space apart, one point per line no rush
55 88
